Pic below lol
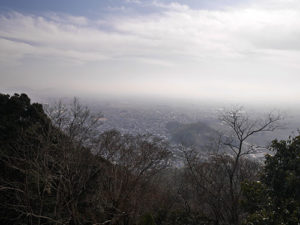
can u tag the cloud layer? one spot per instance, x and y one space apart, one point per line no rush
176 50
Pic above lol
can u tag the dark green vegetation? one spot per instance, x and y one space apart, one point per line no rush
275 199
57 169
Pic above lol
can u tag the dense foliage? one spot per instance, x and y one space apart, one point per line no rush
275 199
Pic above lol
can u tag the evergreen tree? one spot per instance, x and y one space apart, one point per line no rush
275 199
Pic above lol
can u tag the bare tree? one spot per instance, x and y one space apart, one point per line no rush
240 128
76 121
135 160
131 161
217 179
49 174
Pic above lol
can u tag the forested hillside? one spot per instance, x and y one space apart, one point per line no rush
56 168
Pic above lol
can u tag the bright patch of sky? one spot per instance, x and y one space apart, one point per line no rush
212 49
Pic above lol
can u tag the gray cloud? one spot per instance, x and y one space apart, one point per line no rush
199 52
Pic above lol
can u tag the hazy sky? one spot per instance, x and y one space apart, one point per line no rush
236 50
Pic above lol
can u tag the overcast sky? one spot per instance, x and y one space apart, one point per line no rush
240 50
